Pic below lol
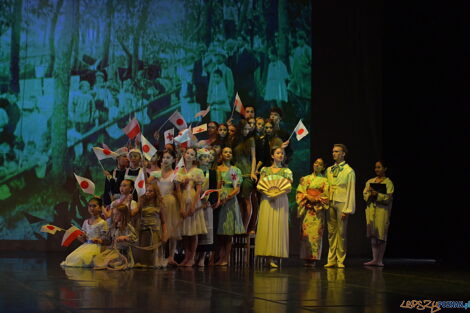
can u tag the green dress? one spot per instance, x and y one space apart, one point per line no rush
230 220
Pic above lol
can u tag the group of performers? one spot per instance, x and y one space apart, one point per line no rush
234 165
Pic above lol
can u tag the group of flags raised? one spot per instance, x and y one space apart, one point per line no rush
132 130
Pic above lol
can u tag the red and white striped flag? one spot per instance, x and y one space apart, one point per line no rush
50 229
102 154
132 129
85 184
169 136
300 130
177 119
147 148
140 183
70 235
208 192
200 129
203 112
239 105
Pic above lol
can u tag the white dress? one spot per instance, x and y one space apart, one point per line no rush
83 255
195 223
173 220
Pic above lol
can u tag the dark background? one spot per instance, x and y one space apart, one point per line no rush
389 81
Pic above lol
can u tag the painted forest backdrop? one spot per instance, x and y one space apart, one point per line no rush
123 58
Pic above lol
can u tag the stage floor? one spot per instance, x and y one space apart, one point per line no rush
36 283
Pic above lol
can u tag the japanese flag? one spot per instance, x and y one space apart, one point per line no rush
180 165
233 176
300 130
104 153
147 148
140 183
184 136
169 135
50 229
178 120
200 129
87 185
203 112
70 235
239 105
132 129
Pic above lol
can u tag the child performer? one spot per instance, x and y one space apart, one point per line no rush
191 179
272 236
151 228
95 229
379 207
125 198
120 236
312 198
171 200
114 179
230 220
206 241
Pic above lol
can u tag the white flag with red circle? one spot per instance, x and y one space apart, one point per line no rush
177 119
147 148
102 154
132 129
140 183
300 130
70 235
239 105
169 136
87 185
178 166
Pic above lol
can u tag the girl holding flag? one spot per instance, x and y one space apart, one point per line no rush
171 197
95 228
190 179
230 221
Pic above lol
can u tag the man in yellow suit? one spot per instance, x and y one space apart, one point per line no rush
342 181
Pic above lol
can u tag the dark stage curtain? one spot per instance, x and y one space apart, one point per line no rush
390 81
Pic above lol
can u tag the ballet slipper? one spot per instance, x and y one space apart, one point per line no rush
370 263
341 265
329 265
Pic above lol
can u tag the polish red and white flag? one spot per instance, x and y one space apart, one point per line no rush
239 105
140 183
70 235
200 129
132 129
147 148
50 229
102 154
208 192
85 184
178 120
203 112
300 130
169 136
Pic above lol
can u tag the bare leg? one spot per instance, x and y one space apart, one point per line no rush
202 258
222 251
192 245
373 242
172 249
248 210
381 251
228 249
